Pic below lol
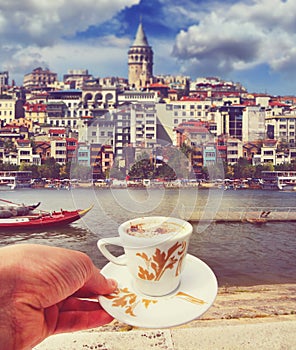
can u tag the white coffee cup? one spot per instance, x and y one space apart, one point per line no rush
155 249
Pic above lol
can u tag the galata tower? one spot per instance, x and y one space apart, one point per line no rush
140 61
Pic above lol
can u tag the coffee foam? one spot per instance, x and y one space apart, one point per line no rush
149 230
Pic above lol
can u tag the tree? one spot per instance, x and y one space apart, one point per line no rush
143 169
30 167
164 171
50 169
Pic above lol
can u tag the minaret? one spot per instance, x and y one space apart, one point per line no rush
140 61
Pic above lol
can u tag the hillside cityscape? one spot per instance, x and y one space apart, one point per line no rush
173 126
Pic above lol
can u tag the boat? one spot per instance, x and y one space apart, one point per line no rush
279 180
257 221
43 219
7 183
9 209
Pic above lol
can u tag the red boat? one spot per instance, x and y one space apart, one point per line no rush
43 219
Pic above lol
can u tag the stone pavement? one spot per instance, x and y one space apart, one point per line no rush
270 334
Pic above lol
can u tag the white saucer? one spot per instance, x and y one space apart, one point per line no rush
196 293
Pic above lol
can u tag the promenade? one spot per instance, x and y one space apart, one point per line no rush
255 317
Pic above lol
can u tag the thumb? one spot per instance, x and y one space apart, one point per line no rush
97 284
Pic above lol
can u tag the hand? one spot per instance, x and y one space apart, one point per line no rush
40 293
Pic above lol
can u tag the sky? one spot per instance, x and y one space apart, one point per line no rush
252 42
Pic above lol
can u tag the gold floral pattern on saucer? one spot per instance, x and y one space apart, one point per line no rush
195 295
129 301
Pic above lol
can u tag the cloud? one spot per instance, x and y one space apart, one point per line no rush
239 36
29 29
96 55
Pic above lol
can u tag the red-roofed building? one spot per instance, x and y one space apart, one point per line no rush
71 145
57 132
193 133
160 88
42 148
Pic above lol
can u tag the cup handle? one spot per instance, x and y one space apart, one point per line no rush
102 245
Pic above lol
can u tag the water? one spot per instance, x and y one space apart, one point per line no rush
238 253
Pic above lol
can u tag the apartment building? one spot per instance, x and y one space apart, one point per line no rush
193 133
76 78
99 130
234 150
7 109
269 151
25 153
282 127
83 154
58 150
64 108
39 77
35 112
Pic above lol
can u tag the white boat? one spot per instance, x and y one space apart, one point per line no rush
279 180
7 183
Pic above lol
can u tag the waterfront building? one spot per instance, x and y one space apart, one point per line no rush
58 150
101 160
209 154
143 125
282 127
268 151
140 61
42 148
25 153
232 120
253 124
196 160
234 150
83 154
71 147
252 149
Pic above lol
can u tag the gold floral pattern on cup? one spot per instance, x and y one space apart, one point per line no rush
160 261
